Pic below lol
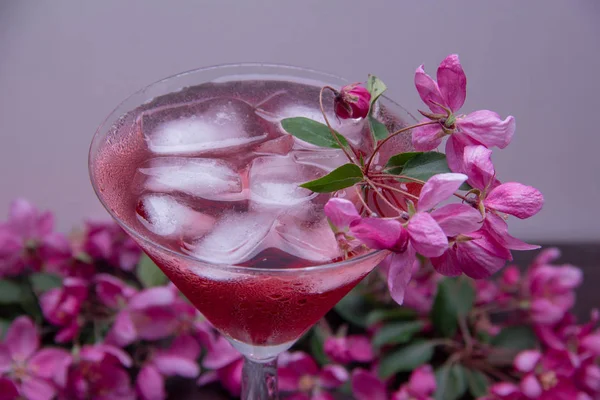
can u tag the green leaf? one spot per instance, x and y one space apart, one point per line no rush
516 337
376 87
340 178
317 340
397 333
312 132
405 359
378 129
42 281
451 382
398 161
354 308
425 165
149 274
10 292
393 314
477 381
454 300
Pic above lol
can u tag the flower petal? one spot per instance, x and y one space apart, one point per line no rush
220 353
455 219
426 236
333 376
427 137
22 218
422 381
156 296
429 91
447 264
488 128
377 233
452 82
37 389
366 386
526 360
360 348
530 386
123 330
478 167
185 346
150 384
8 390
481 257
22 338
498 229
439 188
5 359
516 199
399 267
341 212
170 365
46 362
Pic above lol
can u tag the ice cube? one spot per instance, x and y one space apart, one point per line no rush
274 181
327 160
165 216
215 124
237 237
279 146
200 177
311 240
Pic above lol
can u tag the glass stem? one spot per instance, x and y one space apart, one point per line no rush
259 380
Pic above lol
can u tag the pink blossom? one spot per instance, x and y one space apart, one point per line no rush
421 290
421 385
445 98
299 373
107 241
504 391
222 360
61 307
8 390
547 376
113 292
97 373
352 101
366 386
27 240
179 359
551 290
31 369
347 349
151 314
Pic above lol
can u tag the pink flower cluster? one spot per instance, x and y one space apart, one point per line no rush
470 236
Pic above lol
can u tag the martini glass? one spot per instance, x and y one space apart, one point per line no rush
276 276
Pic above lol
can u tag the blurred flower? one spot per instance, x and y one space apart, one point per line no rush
62 306
96 372
27 240
30 369
299 373
504 391
107 241
421 385
179 359
113 292
223 361
547 376
347 349
8 390
367 386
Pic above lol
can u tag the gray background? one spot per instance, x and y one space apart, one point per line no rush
64 65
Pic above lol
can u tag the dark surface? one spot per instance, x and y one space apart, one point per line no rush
585 256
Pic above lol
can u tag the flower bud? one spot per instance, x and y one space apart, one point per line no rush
352 101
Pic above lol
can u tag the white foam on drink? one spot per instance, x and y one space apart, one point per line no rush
165 216
275 181
206 178
204 127
237 237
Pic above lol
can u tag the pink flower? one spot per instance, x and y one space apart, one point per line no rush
179 359
222 360
107 241
61 307
151 314
420 386
547 376
27 240
299 373
97 373
367 386
552 291
347 349
352 101
30 369
421 290
504 391
487 292
8 390
113 292
444 99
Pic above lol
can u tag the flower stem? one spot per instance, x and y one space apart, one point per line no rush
333 133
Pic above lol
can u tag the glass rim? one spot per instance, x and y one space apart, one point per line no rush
179 254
